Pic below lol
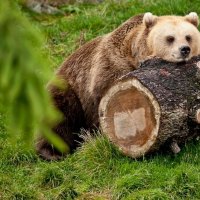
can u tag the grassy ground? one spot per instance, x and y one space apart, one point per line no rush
97 170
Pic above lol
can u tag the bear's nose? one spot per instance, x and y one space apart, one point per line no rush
185 51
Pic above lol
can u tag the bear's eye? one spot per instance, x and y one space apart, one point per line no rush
170 39
188 38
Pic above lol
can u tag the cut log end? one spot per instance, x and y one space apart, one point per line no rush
129 115
198 116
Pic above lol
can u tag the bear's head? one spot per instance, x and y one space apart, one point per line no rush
173 38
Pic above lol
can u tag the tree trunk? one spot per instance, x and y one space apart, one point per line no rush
157 105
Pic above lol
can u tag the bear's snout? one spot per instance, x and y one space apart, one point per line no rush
185 51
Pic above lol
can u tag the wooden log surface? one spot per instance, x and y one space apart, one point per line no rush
155 106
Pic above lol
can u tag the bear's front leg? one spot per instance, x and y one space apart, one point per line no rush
68 103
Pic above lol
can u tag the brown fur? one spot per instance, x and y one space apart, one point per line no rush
97 64
90 71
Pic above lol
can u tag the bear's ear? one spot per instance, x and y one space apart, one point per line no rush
149 19
193 18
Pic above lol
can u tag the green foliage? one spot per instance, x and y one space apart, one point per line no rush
23 73
96 171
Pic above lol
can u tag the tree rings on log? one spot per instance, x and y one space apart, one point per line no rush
130 115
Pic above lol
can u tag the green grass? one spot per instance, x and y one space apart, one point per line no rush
97 170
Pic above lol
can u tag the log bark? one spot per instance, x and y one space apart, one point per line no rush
156 106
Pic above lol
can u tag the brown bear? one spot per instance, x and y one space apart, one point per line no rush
95 66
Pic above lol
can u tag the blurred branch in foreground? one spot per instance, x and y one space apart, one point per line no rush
23 74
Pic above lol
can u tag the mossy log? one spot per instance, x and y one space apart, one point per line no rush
155 106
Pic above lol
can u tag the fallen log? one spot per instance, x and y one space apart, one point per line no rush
155 106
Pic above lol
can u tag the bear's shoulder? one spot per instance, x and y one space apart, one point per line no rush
119 34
